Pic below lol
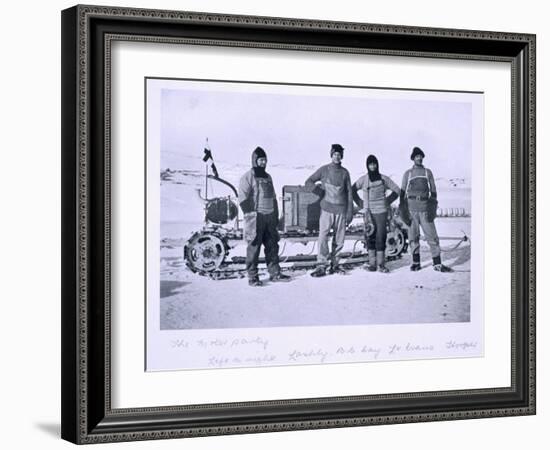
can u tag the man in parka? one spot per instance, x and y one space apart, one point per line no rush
336 210
375 206
258 202
420 194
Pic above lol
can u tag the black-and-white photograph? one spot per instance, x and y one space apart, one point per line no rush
290 207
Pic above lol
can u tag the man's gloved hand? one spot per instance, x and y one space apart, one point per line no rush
432 209
404 212
391 198
318 190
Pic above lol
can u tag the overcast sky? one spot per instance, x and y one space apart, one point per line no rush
298 130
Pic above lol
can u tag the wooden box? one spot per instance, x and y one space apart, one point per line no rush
301 210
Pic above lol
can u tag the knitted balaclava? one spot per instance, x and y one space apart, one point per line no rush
373 174
259 152
336 148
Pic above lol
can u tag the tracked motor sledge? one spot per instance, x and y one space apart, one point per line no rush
208 250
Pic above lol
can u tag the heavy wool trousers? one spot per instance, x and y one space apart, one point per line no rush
336 222
268 236
419 219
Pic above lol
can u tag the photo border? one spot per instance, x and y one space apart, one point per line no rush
87 34
152 333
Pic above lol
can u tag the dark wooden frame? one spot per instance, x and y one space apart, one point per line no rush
87 31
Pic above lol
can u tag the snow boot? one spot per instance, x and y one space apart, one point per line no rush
255 282
371 266
320 271
339 270
438 267
415 266
381 261
279 277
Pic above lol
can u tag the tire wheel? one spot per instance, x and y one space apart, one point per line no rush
205 252
396 243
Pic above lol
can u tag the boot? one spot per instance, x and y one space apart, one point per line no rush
338 270
381 261
415 267
371 267
438 267
279 277
254 281
320 271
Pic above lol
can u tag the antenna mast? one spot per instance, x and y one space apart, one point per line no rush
206 174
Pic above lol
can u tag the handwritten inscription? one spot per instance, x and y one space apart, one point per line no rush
374 351
259 351
242 351
452 345
179 343
317 355
247 342
233 343
222 361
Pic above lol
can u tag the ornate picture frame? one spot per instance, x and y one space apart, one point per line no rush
89 413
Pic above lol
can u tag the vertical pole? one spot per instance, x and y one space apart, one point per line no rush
206 180
206 192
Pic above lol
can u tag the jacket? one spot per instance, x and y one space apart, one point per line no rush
418 186
256 195
336 189
374 193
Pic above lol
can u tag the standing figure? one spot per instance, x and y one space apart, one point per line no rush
375 206
419 193
336 210
261 215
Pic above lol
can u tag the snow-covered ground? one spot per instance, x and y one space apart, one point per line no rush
190 301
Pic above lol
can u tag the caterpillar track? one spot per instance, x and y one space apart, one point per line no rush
208 251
